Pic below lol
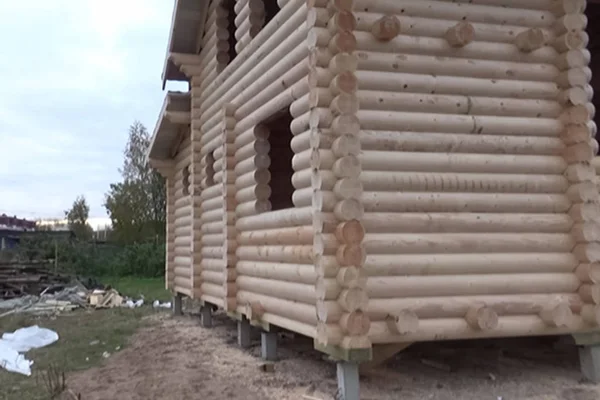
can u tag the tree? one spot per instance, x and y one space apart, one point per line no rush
77 218
136 205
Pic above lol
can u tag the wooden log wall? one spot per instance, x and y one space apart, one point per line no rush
475 148
170 227
250 19
275 271
336 190
183 271
232 104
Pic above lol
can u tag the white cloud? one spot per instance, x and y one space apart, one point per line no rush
73 76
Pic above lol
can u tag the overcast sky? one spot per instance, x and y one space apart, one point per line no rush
74 74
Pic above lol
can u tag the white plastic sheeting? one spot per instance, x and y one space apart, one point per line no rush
13 345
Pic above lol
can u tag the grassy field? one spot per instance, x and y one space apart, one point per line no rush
85 335
151 288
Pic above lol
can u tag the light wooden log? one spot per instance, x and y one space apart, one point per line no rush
463 202
298 273
277 219
183 282
456 104
458 328
467 68
460 143
289 254
252 208
458 306
453 243
456 11
440 84
428 122
418 286
468 263
450 46
285 22
278 289
281 236
293 310
461 182
260 192
469 163
214 277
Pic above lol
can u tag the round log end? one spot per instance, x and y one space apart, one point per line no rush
351 254
352 277
348 188
585 192
346 145
574 97
403 322
349 209
342 21
347 167
557 316
586 232
530 40
386 28
588 273
343 42
482 318
345 104
460 34
343 62
344 82
346 125
590 293
350 232
591 314
579 172
353 299
356 323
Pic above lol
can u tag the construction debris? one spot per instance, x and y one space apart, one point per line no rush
19 278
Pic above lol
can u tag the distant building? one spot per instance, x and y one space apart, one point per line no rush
11 228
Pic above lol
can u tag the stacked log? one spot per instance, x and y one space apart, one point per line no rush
334 170
182 261
250 19
581 147
227 178
462 111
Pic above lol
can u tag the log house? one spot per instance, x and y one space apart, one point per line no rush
370 172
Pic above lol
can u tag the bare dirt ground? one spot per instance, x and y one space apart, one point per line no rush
178 359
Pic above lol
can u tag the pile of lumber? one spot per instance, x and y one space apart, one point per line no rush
19 278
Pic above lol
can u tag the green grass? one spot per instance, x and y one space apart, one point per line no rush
84 336
151 288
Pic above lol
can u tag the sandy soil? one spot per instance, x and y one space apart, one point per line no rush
177 359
